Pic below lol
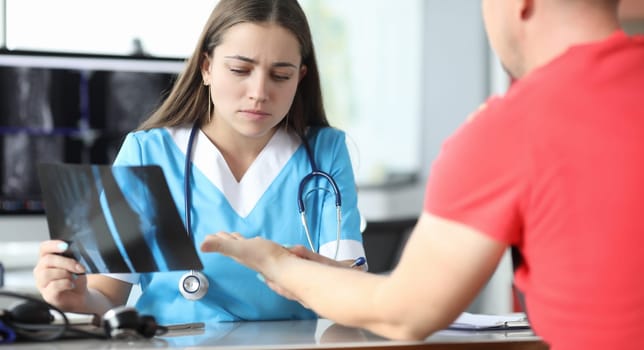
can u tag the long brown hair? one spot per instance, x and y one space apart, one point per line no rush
188 100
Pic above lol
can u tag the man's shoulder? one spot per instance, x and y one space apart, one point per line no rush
494 110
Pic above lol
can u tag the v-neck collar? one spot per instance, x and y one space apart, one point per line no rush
243 195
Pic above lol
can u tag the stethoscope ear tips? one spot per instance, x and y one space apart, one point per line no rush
193 285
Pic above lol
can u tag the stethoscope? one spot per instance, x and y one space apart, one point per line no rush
193 285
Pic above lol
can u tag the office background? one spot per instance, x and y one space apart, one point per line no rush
398 76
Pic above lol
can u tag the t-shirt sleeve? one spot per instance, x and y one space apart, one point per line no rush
479 177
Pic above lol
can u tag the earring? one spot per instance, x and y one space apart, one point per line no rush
286 124
209 105
205 83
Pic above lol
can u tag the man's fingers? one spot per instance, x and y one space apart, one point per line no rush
213 243
221 242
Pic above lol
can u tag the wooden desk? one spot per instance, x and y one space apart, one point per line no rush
312 334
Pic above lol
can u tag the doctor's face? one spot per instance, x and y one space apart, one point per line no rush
253 76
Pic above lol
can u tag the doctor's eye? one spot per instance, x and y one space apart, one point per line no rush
281 74
280 77
239 71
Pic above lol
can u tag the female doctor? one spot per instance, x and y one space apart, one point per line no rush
245 146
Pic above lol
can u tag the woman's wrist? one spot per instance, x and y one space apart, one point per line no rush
96 302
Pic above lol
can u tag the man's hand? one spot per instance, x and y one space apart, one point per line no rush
307 254
264 256
256 253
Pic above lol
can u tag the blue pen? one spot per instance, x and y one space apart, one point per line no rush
359 261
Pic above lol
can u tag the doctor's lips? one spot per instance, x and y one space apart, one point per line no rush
256 113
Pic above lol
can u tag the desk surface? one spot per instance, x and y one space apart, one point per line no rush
321 334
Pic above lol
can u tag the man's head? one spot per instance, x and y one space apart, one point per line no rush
528 33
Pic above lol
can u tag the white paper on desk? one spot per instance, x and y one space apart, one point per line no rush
470 321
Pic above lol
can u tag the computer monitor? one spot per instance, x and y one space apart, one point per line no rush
72 109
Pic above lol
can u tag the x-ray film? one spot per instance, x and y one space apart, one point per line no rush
116 219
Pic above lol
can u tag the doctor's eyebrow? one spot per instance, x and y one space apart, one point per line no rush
250 60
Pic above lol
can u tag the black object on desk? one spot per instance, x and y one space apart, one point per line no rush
383 241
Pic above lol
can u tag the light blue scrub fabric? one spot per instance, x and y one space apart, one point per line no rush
235 292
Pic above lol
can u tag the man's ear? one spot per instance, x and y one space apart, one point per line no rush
205 69
302 72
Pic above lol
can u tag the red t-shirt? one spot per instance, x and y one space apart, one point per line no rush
556 168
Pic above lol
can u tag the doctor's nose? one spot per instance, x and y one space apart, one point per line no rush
258 89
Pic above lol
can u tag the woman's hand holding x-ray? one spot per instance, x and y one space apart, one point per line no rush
59 279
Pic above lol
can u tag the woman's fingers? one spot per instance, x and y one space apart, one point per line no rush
59 262
60 285
50 255
54 273
52 247
45 276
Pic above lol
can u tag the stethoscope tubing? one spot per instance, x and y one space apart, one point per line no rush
315 172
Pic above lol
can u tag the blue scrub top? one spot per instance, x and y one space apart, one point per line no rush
263 204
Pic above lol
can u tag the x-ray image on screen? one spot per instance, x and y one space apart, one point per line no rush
38 107
69 109
119 219
121 100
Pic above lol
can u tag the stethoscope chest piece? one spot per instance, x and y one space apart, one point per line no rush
193 285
